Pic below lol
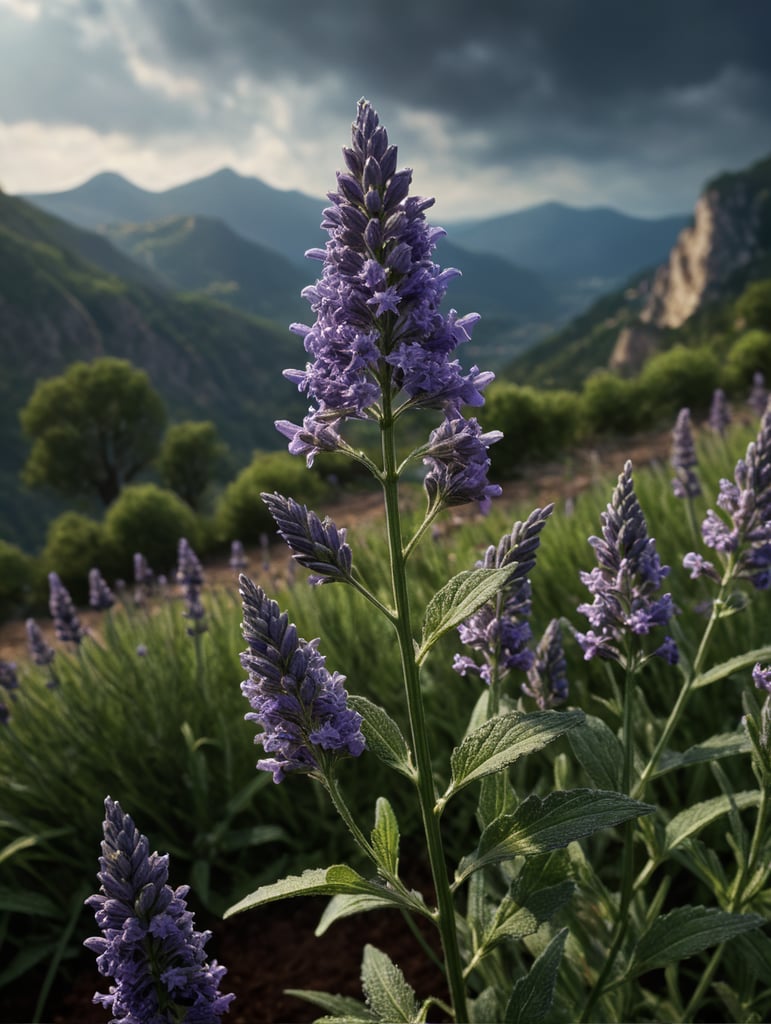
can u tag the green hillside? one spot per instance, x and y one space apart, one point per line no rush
206 360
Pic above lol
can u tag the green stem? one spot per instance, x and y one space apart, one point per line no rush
425 784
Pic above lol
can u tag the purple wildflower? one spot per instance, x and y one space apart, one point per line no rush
719 413
141 650
626 580
458 462
190 577
39 650
500 630
761 677
148 944
143 578
547 680
316 545
66 622
8 679
683 458
758 396
100 596
743 539
301 707
238 558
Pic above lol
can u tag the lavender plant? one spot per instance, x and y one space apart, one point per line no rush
380 348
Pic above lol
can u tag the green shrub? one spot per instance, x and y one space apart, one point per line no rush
149 519
754 304
679 378
749 353
535 424
241 512
609 405
74 544
17 572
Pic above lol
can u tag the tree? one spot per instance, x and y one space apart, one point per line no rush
93 428
188 458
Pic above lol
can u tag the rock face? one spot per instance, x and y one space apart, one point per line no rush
634 346
723 238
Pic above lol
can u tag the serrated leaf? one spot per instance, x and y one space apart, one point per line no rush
726 744
727 668
388 993
599 752
502 740
538 826
459 598
342 1007
693 819
385 837
336 880
384 737
687 931
532 996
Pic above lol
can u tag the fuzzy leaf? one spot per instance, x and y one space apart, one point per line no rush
693 819
384 737
532 996
727 668
347 905
503 740
598 750
341 1007
459 598
538 826
687 931
484 1008
726 744
385 836
387 991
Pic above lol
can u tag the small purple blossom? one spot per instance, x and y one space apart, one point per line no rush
683 458
66 622
316 545
457 460
100 596
40 652
500 630
148 944
719 413
699 566
190 577
626 581
301 706
761 677
547 680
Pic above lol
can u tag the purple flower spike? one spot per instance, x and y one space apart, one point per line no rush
626 581
148 944
500 630
758 396
39 650
547 680
190 577
302 708
238 558
746 502
100 596
719 413
66 622
683 458
458 462
377 305
316 545
8 678
761 677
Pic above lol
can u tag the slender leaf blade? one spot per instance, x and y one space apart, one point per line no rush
727 668
599 752
533 995
385 836
388 993
687 931
693 819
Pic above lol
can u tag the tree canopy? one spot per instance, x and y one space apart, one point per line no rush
93 428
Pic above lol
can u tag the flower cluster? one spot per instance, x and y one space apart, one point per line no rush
626 581
744 541
190 577
41 653
500 630
66 622
683 458
148 944
316 545
302 707
547 679
100 596
379 332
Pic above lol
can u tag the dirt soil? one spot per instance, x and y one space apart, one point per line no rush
272 949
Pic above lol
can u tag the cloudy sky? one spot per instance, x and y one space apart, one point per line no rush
496 105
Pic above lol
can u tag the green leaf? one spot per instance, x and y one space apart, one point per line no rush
336 880
503 740
685 932
388 993
532 996
538 826
725 744
598 750
513 921
459 598
384 737
484 1008
496 797
27 902
342 1007
258 835
692 820
727 668
347 905
385 837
